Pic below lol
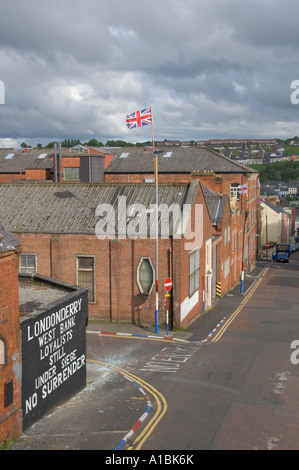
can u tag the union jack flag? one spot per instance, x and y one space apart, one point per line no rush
139 118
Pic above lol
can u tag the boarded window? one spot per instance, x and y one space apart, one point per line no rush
226 266
8 393
72 174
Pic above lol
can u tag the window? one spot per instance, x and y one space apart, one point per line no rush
2 352
145 276
8 393
85 275
27 263
193 272
71 174
234 192
226 266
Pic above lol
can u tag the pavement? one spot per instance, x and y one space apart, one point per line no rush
201 330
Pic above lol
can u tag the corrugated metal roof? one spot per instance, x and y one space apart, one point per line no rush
71 208
179 160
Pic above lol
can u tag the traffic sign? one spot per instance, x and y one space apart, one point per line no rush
168 284
267 245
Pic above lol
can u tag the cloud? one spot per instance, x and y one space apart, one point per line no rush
208 68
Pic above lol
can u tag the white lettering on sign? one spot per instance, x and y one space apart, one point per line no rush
52 334
42 326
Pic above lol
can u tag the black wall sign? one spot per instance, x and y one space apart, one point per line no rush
53 356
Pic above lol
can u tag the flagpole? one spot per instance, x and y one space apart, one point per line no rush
155 156
138 119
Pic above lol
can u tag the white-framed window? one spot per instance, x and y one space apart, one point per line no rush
193 271
85 274
234 192
27 263
145 275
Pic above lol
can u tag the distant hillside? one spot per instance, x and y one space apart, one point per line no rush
279 171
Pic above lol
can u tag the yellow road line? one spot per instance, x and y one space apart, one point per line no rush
160 401
231 319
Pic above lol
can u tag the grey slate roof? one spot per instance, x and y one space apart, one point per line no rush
35 158
173 160
24 160
70 208
275 208
7 240
216 203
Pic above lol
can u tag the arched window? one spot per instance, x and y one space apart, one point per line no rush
2 352
145 276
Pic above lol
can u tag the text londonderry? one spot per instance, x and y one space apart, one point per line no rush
42 326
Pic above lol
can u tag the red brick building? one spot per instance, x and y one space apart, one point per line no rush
57 226
10 361
223 175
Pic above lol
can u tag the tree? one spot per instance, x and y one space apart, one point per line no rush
118 143
94 143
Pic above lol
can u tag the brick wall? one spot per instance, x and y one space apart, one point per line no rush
10 416
38 174
8 177
248 202
117 295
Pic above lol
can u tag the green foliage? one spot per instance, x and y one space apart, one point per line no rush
279 171
118 143
94 143
70 142
65 143
290 150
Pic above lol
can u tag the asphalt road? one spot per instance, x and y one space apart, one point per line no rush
239 390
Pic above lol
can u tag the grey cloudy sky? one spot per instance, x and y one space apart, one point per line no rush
208 68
